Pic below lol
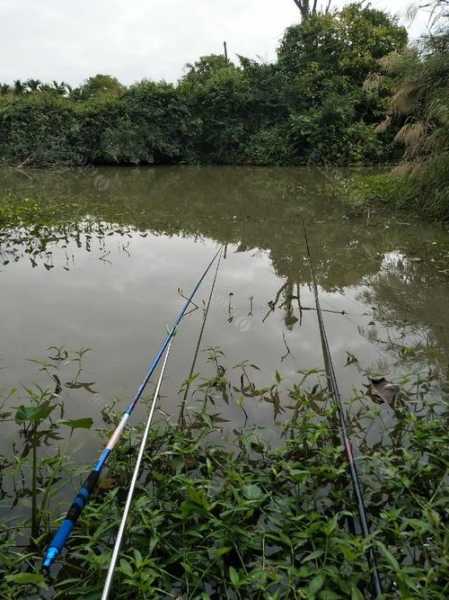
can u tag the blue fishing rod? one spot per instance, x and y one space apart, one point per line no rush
81 499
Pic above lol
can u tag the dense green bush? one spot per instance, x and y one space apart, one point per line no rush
150 124
419 117
310 105
40 129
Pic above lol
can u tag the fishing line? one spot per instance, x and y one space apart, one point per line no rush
335 394
81 499
181 419
129 499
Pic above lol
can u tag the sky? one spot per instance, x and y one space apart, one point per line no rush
69 40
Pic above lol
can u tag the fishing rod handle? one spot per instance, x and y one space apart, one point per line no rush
63 533
81 499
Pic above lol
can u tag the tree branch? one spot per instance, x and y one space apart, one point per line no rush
306 11
302 5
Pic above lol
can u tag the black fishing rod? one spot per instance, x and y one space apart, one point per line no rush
344 430
181 419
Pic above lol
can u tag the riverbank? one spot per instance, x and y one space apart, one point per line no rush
251 500
236 516
421 190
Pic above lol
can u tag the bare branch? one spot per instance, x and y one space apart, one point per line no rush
302 5
306 11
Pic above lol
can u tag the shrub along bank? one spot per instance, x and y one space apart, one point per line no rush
310 105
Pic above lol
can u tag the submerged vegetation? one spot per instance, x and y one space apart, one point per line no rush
225 513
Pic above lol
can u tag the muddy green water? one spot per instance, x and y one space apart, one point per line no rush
109 276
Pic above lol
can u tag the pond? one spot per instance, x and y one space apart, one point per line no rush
119 247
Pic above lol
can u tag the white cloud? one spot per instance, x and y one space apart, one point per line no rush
66 40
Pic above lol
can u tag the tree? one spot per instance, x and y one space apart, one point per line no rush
58 88
33 85
205 68
218 94
348 43
418 115
19 87
326 60
308 11
98 86
309 105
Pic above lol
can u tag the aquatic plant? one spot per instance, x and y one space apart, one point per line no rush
222 513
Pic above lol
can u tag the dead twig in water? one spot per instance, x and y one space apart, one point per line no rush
196 307
289 352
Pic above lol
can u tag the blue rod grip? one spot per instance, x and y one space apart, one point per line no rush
63 533
58 543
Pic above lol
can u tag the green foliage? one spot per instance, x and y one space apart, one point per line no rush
421 105
418 115
310 105
40 129
99 86
150 124
242 519
326 60
370 192
220 104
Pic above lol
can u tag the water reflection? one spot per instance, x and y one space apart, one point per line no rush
104 268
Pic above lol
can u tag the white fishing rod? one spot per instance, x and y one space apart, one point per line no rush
132 487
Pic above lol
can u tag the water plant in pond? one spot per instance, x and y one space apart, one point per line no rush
221 512
41 423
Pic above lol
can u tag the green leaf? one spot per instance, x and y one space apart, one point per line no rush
331 526
34 414
197 496
388 556
313 556
235 579
316 584
27 579
85 423
126 568
356 594
252 492
222 551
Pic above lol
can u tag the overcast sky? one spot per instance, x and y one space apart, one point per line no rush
135 39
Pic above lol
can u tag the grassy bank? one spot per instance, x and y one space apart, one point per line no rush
423 191
222 513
